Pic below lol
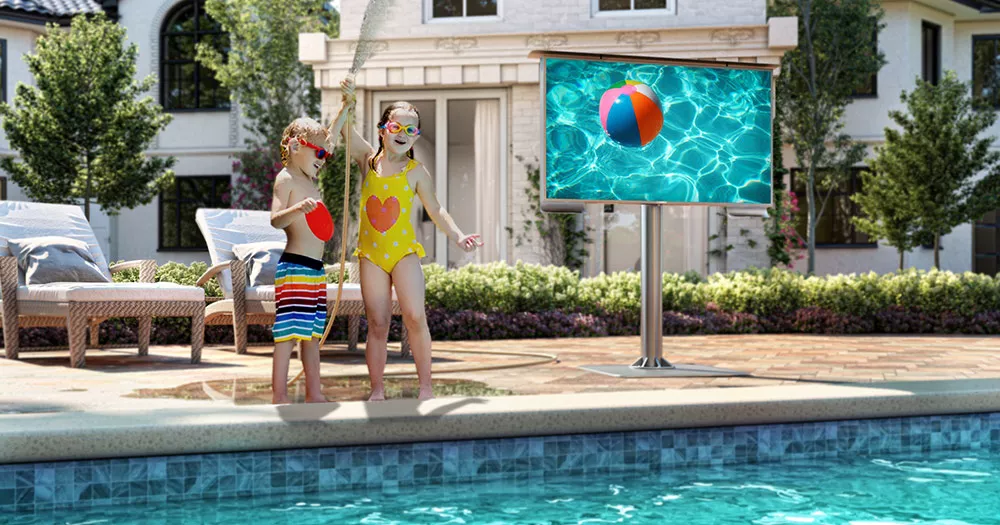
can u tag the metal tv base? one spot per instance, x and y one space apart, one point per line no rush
652 363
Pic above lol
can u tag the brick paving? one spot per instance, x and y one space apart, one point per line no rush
44 381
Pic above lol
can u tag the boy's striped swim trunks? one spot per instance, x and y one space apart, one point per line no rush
300 295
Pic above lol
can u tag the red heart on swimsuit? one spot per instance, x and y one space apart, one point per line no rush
382 215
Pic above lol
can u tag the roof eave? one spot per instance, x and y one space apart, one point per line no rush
34 18
983 6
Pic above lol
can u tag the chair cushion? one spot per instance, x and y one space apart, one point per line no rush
65 292
51 259
352 292
261 260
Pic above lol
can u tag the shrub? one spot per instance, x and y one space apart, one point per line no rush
500 301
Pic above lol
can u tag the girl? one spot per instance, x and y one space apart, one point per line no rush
388 251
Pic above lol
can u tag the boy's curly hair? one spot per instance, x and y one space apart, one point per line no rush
300 127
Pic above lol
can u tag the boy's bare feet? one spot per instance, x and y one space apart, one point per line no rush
319 399
425 393
377 395
280 400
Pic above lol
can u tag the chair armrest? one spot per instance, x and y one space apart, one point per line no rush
211 272
147 269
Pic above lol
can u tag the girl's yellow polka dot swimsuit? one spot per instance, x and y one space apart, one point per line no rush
387 234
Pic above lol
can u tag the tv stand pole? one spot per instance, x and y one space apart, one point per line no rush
651 321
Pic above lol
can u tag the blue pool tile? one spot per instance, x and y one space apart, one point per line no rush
138 488
24 477
175 487
247 463
119 489
119 473
227 483
310 460
278 480
293 463
157 469
327 479
157 488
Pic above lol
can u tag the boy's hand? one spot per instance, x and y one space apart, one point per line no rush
307 205
470 242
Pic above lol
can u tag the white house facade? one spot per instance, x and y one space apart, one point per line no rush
921 39
465 65
205 132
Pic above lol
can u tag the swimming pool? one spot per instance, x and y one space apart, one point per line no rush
861 468
945 487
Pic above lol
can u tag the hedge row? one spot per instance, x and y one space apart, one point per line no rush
500 301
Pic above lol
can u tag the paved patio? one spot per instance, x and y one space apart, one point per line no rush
43 381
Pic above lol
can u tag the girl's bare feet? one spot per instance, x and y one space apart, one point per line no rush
320 399
279 399
377 395
425 393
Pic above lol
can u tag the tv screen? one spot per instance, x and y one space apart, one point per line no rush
637 130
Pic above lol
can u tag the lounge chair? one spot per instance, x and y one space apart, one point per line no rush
78 304
243 304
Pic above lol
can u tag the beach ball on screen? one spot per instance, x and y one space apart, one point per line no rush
631 114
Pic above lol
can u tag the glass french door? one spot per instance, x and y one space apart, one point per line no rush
463 144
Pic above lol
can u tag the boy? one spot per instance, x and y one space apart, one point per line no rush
300 280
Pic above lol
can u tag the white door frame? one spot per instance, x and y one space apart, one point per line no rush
440 99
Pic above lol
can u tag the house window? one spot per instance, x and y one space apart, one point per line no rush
931 52
986 69
869 88
834 227
986 241
3 70
630 5
178 231
462 8
184 83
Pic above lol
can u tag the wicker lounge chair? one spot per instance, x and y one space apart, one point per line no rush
76 305
244 305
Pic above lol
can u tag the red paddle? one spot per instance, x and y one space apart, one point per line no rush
320 222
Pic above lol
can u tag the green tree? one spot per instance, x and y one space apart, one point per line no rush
936 170
834 56
262 68
82 130
889 199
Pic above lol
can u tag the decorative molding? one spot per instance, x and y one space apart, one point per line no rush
456 43
154 50
546 41
638 39
733 36
377 46
234 124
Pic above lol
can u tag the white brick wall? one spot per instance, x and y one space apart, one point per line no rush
531 16
525 141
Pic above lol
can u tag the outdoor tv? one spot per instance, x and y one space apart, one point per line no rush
620 129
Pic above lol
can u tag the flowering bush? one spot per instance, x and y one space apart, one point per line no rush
786 246
255 171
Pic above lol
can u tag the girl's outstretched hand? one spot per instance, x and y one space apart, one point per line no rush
470 242
347 88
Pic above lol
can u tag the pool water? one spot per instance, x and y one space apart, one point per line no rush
948 488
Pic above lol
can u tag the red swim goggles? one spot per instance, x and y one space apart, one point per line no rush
321 153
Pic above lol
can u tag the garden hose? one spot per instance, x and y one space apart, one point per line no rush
343 237
541 359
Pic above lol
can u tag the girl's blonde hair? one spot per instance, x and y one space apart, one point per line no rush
395 106
300 127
